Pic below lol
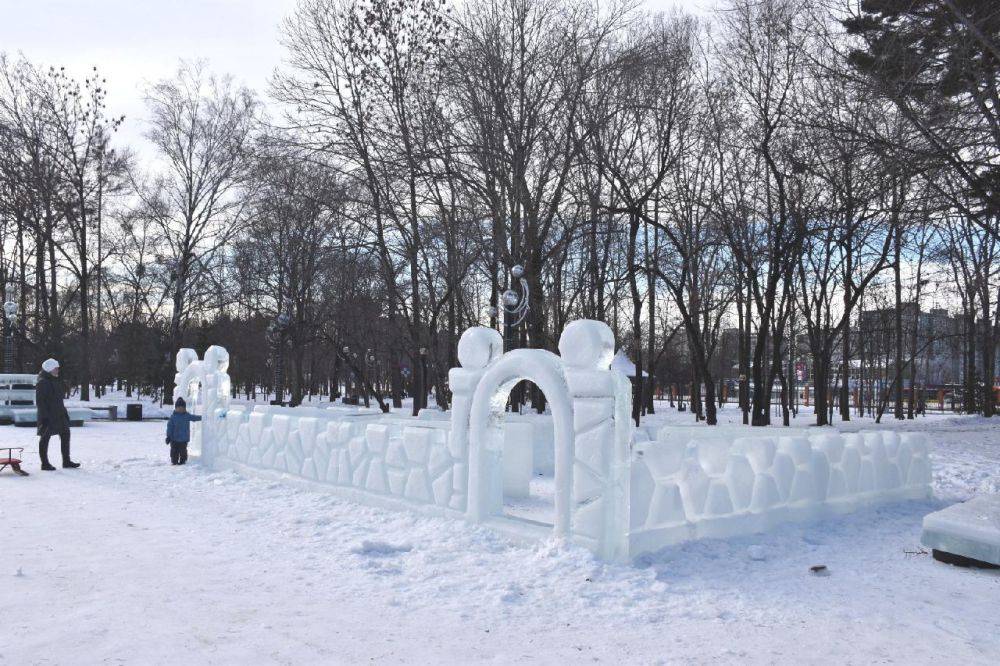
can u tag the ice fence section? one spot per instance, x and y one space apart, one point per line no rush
612 495
693 483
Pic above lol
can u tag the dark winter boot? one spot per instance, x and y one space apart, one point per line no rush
64 445
43 453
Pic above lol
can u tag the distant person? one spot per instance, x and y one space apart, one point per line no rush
179 432
53 419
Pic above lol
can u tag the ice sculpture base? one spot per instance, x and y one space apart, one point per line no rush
970 530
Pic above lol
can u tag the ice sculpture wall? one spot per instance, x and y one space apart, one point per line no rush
617 498
694 483
382 461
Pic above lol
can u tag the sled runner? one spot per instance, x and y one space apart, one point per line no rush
11 461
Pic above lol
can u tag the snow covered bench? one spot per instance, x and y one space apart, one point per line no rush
18 394
16 391
26 417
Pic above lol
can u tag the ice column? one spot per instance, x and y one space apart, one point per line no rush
477 348
602 406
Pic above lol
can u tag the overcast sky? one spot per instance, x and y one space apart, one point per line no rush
133 42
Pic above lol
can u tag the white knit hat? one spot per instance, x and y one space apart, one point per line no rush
50 364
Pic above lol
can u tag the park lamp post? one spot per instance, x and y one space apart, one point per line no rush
744 392
346 352
423 379
371 366
10 322
276 331
515 310
514 305
354 377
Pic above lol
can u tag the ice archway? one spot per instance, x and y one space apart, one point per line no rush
590 405
486 429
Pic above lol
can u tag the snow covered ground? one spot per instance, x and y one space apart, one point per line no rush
131 560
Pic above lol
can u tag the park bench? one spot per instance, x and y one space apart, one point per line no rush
112 410
16 390
27 417
17 403
9 460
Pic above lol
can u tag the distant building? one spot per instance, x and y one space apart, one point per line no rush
939 347
938 354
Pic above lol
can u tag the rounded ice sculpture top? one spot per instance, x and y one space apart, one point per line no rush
479 346
185 357
216 359
587 343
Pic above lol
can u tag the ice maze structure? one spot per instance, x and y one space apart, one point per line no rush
613 495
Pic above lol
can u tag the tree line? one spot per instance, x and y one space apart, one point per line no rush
775 168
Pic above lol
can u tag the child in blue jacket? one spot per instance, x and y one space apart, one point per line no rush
179 432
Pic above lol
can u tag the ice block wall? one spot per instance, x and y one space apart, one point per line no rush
720 483
386 461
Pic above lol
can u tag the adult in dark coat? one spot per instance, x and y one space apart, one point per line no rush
53 419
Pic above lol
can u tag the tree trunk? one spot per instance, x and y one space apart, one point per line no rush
989 363
970 363
898 316
633 280
821 372
651 314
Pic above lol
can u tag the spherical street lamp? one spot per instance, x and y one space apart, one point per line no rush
515 305
10 319
515 310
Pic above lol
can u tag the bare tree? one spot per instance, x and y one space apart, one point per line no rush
200 125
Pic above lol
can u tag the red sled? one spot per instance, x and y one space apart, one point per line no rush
11 461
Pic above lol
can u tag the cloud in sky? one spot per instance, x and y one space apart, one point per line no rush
134 42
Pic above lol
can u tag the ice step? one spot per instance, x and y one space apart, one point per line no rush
970 529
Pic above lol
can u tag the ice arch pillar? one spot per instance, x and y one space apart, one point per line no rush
205 386
590 407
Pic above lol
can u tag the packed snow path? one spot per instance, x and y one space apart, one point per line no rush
130 559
